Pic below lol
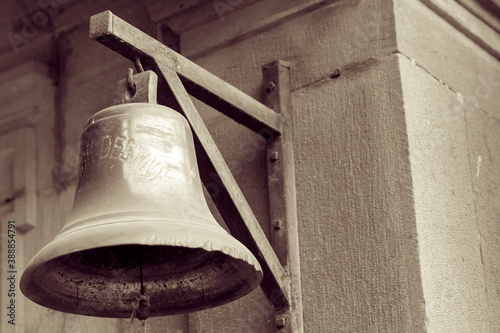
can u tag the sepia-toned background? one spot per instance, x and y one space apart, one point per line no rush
396 116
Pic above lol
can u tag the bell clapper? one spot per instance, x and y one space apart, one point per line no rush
141 311
140 270
136 314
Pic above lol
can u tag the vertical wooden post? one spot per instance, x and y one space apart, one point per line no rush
282 197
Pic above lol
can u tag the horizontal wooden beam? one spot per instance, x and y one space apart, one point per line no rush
231 202
132 43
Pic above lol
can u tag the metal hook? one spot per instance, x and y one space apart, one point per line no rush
138 65
130 82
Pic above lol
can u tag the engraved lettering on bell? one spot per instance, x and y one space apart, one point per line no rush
119 147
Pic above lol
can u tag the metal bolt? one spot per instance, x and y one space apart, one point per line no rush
273 156
336 73
131 87
270 86
278 224
280 321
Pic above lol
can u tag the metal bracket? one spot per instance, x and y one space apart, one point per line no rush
282 197
146 91
177 79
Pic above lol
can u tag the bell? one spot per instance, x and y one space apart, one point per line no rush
140 237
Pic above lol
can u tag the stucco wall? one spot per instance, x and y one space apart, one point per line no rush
451 86
357 240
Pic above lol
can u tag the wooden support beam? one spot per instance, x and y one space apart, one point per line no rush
282 197
231 202
133 44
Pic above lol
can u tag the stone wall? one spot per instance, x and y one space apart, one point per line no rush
450 90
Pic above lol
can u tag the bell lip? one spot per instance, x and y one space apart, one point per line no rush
137 231
134 108
140 234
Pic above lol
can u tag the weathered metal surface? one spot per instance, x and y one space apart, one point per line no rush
229 199
132 43
145 91
140 226
282 197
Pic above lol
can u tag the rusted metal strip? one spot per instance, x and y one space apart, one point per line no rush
229 199
134 44
282 197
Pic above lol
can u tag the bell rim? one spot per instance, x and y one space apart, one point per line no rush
50 250
235 249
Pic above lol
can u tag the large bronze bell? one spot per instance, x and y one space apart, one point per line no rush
140 231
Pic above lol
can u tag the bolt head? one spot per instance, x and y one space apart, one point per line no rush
273 156
281 321
270 86
278 224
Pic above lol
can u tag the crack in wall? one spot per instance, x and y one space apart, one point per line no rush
347 71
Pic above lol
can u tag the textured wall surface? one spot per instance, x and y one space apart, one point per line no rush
367 265
448 233
451 88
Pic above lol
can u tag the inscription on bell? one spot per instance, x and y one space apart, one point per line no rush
119 147
114 148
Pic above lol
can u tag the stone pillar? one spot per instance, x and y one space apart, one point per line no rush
450 72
